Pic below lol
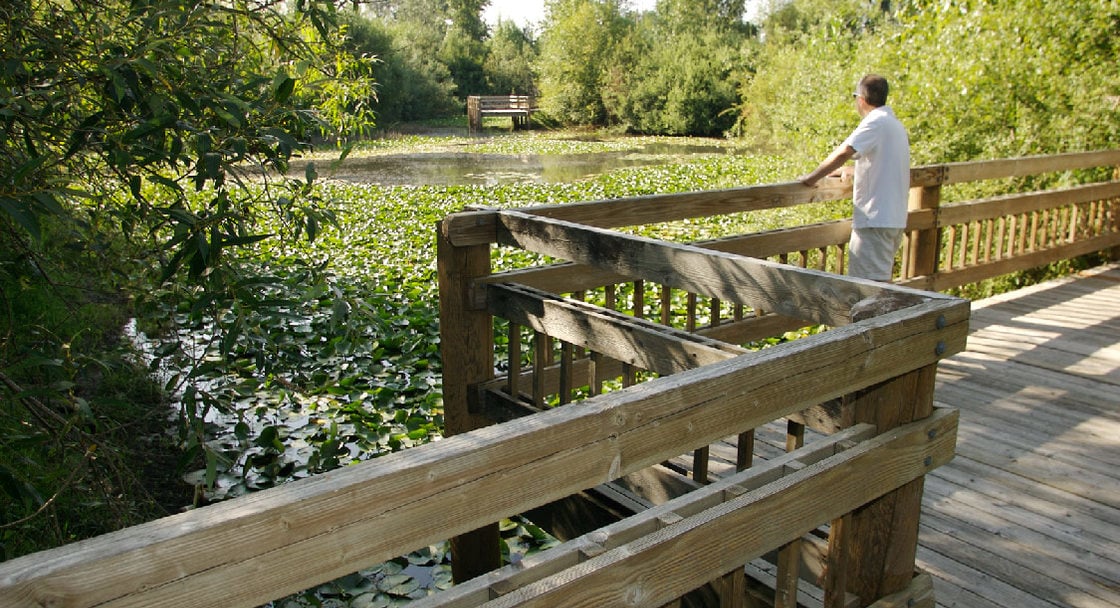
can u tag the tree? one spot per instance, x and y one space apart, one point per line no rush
577 48
970 79
411 83
143 143
510 56
677 73
702 15
174 94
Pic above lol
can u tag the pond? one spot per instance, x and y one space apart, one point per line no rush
451 167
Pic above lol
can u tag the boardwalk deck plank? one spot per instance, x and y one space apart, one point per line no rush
1028 514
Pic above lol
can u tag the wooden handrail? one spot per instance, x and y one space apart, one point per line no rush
266 545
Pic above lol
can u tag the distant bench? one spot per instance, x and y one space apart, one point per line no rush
518 107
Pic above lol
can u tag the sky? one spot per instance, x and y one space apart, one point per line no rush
531 12
526 12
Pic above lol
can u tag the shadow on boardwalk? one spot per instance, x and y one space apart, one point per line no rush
1028 513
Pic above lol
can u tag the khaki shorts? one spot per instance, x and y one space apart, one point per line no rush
871 252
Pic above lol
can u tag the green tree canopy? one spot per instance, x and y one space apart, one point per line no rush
510 57
970 79
577 49
106 97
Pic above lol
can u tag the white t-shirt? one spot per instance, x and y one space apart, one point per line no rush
882 173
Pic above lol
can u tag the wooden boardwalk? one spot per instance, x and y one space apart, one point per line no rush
1028 513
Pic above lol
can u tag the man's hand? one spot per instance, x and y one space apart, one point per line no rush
833 166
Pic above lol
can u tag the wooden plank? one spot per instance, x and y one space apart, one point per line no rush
480 227
884 534
919 594
1023 566
661 566
801 293
1019 203
366 513
957 585
971 274
658 208
1017 432
569 277
971 171
645 344
969 503
1003 487
1086 569
538 566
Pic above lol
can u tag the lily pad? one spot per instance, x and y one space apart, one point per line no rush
398 584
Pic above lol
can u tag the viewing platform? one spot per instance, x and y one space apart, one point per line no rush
520 108
764 430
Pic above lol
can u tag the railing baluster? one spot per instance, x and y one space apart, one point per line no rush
565 373
666 305
690 316
541 349
789 556
513 382
640 299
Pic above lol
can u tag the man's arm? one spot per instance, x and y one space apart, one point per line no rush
842 154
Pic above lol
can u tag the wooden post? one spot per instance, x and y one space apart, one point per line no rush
884 533
467 346
1114 211
925 246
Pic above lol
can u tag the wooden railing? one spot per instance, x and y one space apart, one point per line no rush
646 339
518 107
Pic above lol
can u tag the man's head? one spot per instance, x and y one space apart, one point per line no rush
873 89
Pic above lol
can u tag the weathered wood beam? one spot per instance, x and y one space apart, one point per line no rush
971 171
665 512
970 274
479 226
645 344
813 295
466 337
663 565
1017 204
367 513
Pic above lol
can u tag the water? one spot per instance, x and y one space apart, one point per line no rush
450 168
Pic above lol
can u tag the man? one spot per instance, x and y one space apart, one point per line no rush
881 149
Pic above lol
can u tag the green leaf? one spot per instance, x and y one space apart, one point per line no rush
211 468
22 215
282 87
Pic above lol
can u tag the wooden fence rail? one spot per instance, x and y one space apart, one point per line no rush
651 343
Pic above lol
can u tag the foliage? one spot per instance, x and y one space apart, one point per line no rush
577 47
131 131
509 61
672 72
975 79
675 81
83 430
1008 79
411 83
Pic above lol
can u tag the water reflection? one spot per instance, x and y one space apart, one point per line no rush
462 168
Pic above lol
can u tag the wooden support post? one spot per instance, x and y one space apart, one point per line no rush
836 574
1114 211
925 245
884 533
744 451
789 556
467 344
700 464
732 589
